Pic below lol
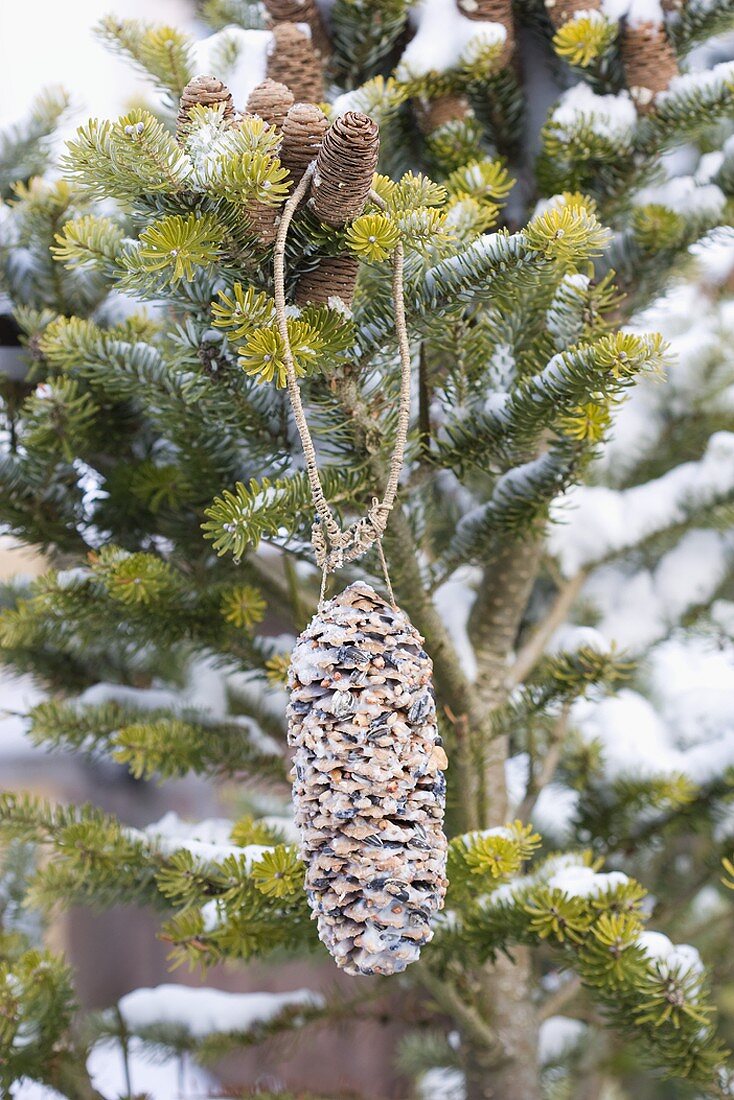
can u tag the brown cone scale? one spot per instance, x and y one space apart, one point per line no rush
271 102
333 277
303 131
293 61
204 91
300 11
560 11
649 63
433 113
263 221
345 167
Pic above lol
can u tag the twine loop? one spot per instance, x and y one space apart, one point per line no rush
333 545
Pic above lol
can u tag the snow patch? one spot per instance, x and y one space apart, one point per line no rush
453 601
705 80
201 1012
208 840
443 36
684 195
238 56
442 1083
602 521
670 958
557 1037
611 116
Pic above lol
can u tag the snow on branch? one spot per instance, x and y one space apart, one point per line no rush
203 1012
208 841
597 523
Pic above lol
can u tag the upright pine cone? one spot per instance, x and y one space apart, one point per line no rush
368 787
293 61
493 11
559 11
263 220
207 91
303 131
271 102
344 169
432 113
649 62
300 11
333 277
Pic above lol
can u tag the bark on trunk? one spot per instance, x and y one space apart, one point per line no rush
494 623
511 1014
506 984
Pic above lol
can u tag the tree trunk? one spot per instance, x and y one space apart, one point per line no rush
506 983
494 623
510 1011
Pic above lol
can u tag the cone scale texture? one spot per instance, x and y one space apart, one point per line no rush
271 102
203 91
304 127
493 11
649 63
368 783
345 167
333 277
293 61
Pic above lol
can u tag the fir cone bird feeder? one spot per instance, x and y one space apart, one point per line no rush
205 91
270 101
333 277
293 61
368 781
649 62
493 11
345 167
304 127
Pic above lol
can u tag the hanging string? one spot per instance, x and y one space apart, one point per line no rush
383 563
333 546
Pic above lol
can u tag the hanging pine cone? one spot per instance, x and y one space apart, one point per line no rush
333 277
303 131
207 91
432 113
345 167
493 11
369 788
300 11
271 102
560 11
649 62
292 61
